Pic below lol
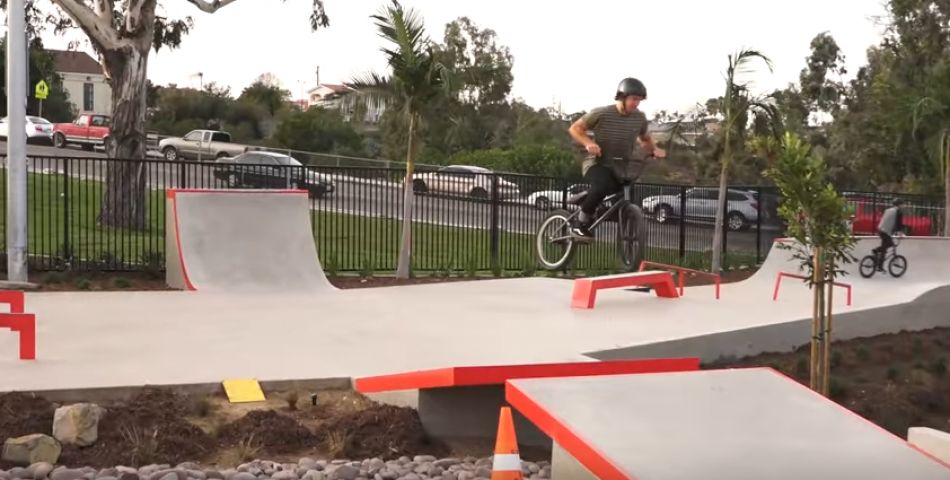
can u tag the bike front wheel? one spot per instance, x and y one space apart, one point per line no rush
868 266
631 237
897 266
554 246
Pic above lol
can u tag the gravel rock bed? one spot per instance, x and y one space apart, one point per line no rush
418 468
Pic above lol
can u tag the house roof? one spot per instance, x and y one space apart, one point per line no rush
335 88
75 62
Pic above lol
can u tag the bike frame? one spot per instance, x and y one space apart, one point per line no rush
620 199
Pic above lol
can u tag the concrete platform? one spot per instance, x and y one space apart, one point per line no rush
746 424
246 320
105 339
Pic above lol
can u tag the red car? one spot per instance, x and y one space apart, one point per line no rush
867 214
89 130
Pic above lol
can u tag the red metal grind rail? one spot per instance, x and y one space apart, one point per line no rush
680 274
781 275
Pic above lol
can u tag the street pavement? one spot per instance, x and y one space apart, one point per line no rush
382 198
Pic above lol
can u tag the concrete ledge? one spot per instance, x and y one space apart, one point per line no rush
932 442
106 394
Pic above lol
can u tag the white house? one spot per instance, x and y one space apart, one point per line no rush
83 78
342 98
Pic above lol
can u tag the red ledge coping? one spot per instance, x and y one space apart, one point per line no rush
498 375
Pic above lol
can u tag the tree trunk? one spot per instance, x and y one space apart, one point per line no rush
405 249
815 322
720 212
826 336
123 203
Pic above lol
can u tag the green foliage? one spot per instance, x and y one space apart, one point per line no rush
181 110
121 283
318 130
816 214
533 159
368 268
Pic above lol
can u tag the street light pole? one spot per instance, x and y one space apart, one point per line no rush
16 141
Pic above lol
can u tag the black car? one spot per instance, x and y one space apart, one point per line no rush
259 169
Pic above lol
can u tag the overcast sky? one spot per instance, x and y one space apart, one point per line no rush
572 53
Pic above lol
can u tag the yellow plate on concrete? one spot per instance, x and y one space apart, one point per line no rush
242 390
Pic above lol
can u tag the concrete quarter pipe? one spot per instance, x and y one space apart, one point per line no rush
233 240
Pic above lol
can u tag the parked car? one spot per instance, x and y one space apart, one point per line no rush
260 169
548 199
200 144
474 182
742 208
868 211
37 129
88 130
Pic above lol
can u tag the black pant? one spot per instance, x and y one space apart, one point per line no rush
886 242
603 183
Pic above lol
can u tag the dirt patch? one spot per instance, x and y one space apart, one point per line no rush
382 431
896 381
373 282
268 430
149 428
99 281
24 414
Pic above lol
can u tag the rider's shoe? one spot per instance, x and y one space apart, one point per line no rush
582 233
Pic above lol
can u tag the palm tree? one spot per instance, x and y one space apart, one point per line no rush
416 79
735 107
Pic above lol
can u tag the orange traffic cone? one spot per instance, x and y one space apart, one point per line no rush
507 461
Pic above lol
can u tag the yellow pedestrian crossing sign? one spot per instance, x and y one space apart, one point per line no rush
42 90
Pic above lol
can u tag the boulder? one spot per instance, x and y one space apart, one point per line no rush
30 449
77 424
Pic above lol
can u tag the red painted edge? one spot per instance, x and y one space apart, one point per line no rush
181 254
842 407
498 375
557 429
172 192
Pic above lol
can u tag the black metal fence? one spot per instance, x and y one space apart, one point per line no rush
463 220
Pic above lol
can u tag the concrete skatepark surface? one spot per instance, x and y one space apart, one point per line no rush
269 324
744 424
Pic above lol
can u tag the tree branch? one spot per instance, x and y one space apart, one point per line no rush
210 6
106 9
99 29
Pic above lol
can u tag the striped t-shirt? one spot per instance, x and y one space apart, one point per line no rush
616 134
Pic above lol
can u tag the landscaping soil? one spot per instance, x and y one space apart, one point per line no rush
382 431
268 430
24 414
149 428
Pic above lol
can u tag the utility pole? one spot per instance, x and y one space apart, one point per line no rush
16 141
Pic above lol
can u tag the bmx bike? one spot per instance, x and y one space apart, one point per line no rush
555 246
896 263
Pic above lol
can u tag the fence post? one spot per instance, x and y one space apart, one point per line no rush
182 175
682 222
67 253
758 224
723 226
495 229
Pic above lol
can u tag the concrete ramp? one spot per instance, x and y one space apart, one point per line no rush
241 240
745 424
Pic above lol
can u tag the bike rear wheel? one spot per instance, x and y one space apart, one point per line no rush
868 266
554 246
631 237
897 266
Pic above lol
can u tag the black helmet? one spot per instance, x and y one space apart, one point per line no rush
630 86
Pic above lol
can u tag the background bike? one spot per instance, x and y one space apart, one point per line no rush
895 263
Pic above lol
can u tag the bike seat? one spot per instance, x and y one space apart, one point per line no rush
577 198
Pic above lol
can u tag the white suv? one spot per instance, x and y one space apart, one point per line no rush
461 180
742 207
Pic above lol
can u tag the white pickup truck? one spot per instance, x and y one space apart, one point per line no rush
200 145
